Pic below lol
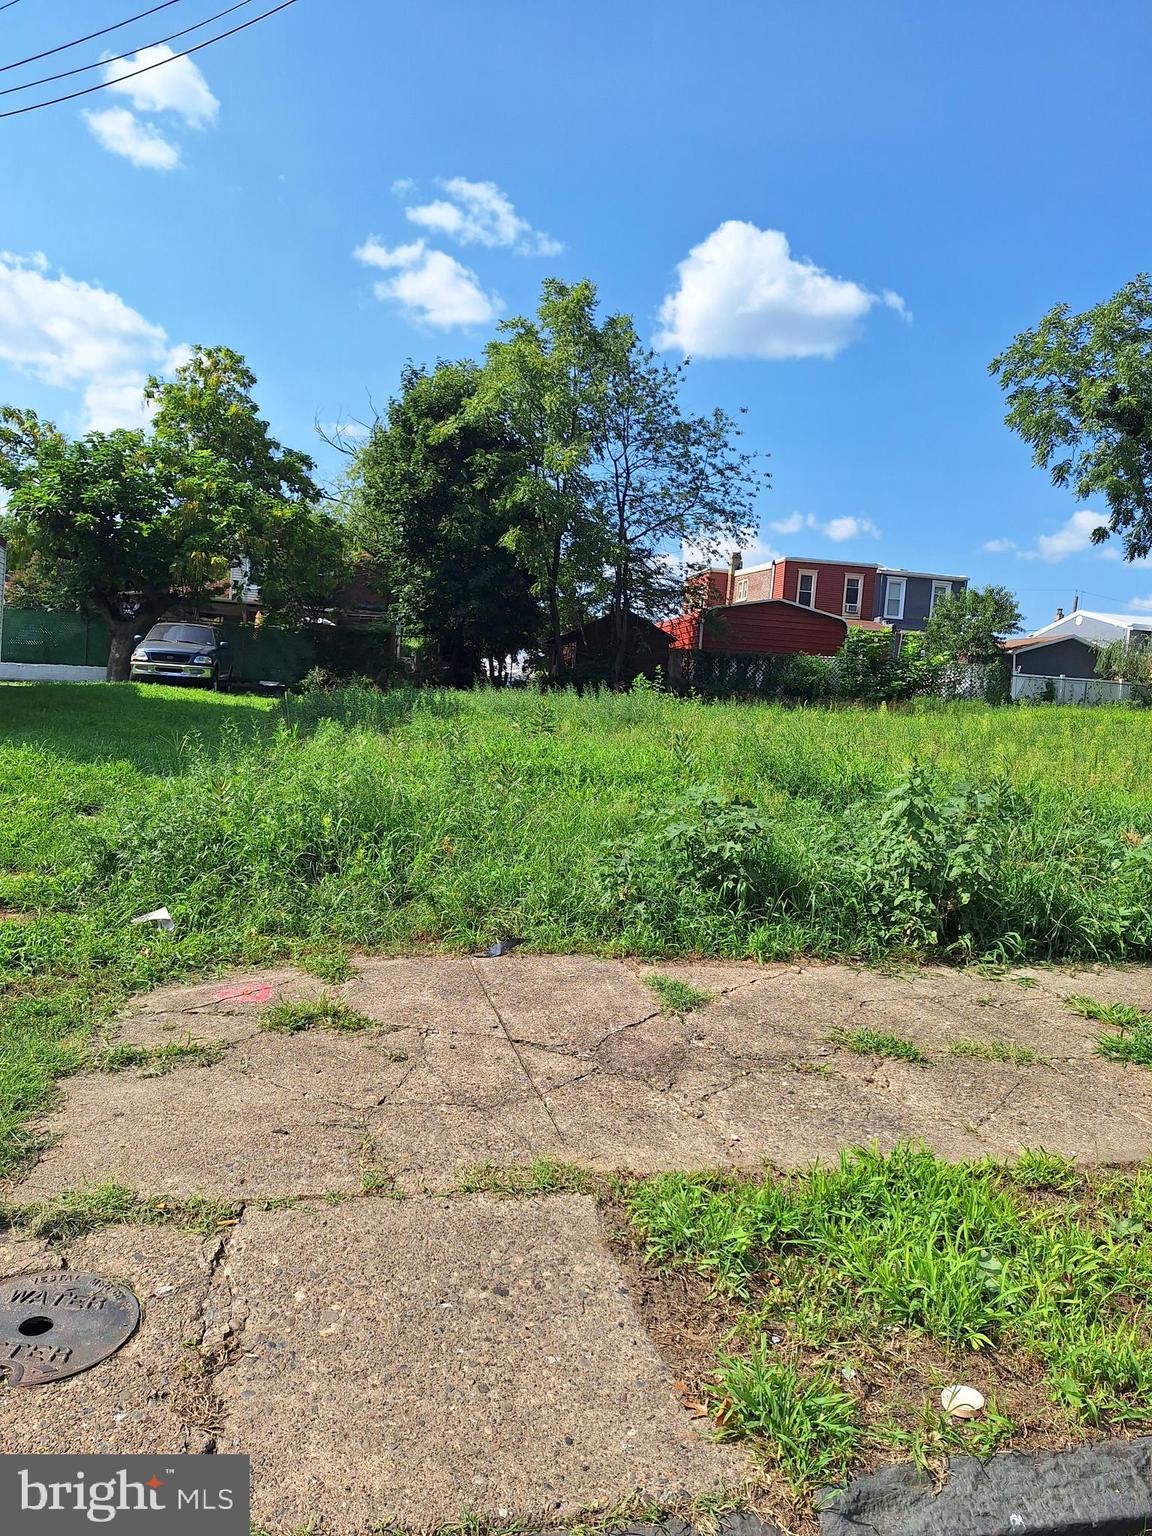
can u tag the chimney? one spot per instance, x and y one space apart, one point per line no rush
1059 613
734 565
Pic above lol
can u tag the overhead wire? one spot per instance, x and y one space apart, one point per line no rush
171 59
87 38
117 58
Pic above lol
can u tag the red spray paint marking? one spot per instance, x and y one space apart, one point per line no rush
246 995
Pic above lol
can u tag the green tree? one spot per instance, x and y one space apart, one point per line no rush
970 625
431 491
663 479
139 521
543 381
1079 390
1127 662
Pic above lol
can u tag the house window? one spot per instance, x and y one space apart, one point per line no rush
894 598
852 586
806 589
742 590
940 590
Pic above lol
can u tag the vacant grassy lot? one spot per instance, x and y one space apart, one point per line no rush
628 824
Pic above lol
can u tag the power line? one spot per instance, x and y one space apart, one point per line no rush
76 41
8 4
115 58
207 43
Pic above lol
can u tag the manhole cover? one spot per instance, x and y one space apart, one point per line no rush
56 1324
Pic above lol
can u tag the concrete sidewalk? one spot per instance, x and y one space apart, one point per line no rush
570 1058
420 1361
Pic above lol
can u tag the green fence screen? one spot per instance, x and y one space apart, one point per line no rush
258 655
60 639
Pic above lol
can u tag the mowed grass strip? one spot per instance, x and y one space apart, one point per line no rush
630 824
866 1288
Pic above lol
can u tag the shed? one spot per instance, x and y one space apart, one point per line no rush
590 650
772 626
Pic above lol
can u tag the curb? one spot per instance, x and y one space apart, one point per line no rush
1093 1490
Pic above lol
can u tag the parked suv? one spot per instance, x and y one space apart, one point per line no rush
182 653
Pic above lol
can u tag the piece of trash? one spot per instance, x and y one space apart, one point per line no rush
501 947
253 994
161 917
961 1402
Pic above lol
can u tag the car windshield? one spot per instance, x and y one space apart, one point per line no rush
187 634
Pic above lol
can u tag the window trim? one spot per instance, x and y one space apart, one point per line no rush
944 589
858 578
742 589
902 581
800 575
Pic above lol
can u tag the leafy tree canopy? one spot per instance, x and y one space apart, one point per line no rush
1079 390
432 489
970 625
138 521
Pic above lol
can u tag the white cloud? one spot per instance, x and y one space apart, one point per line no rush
1140 605
373 254
124 134
430 287
175 87
838 529
741 293
1074 537
479 213
75 335
999 546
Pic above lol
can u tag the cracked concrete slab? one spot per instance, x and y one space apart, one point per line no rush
279 1115
569 1057
223 1010
408 1363
148 1397
566 1001
440 994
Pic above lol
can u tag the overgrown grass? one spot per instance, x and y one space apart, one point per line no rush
611 824
835 1266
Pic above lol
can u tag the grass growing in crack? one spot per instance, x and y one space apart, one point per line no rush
158 1059
872 1042
994 1050
1131 1042
65 1217
858 1262
376 1174
676 996
319 1013
540 1177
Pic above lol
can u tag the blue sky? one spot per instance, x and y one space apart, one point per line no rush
900 188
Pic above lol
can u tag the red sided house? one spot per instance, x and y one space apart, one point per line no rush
832 586
766 626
